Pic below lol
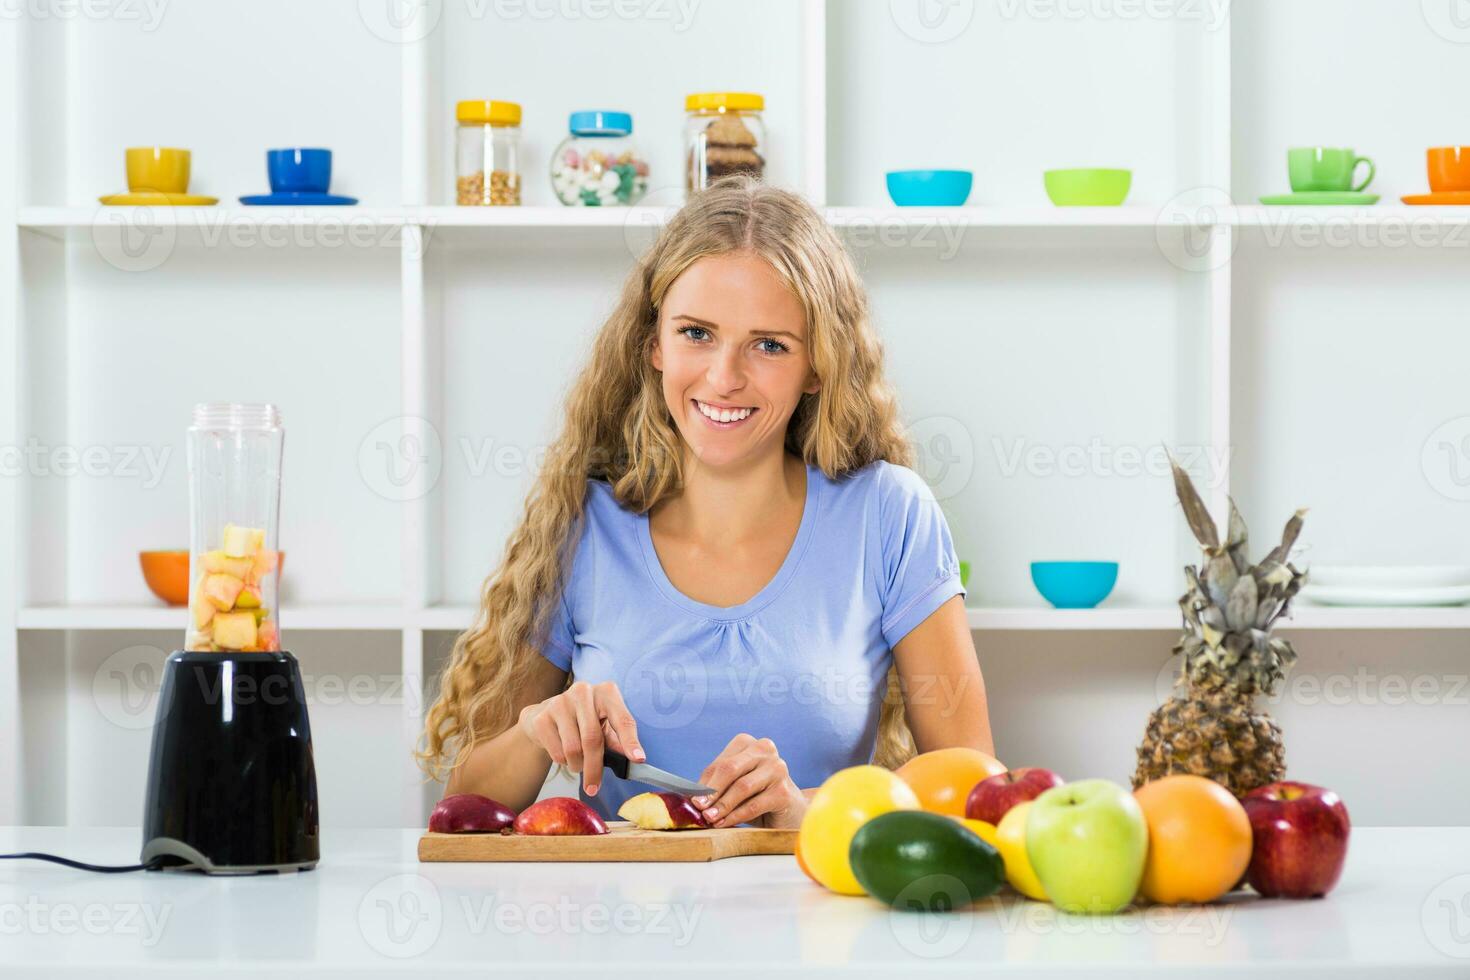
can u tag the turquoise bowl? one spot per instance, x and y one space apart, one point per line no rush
929 188
1074 584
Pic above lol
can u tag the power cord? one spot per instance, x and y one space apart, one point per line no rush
153 865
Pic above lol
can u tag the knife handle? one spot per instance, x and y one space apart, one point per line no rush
616 761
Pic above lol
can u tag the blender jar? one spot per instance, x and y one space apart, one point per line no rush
234 506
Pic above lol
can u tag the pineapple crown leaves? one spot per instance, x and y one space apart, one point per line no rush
1230 605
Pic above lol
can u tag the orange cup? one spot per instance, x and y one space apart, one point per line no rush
1449 169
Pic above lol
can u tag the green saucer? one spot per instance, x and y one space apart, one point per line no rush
1322 197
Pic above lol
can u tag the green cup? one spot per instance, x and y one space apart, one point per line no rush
1323 168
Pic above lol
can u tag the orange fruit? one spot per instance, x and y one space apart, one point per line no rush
943 778
1199 839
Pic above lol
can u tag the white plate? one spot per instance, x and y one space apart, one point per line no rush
1351 595
1389 576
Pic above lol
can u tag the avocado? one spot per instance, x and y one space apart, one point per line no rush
911 859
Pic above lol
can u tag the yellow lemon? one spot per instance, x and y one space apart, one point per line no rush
847 800
983 829
1011 842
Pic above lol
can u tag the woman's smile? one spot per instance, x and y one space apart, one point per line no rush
719 415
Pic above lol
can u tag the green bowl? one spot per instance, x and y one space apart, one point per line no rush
965 574
1087 187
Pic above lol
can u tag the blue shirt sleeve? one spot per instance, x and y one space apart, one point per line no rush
560 634
920 569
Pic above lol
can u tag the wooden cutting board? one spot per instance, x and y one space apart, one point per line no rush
622 842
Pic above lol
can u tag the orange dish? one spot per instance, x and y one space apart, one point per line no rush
167 575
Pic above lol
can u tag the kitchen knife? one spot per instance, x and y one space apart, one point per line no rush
652 775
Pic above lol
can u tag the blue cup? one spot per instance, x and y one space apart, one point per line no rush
297 169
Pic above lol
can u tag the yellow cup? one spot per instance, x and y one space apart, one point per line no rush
158 168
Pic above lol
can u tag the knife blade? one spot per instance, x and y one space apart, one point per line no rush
642 772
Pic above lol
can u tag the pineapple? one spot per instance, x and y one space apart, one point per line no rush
1211 728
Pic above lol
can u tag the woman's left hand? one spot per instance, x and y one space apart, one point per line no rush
751 785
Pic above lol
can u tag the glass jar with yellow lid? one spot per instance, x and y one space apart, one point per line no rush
487 147
724 134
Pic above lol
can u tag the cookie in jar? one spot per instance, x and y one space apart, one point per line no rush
724 134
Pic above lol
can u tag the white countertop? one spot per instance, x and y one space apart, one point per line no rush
1403 905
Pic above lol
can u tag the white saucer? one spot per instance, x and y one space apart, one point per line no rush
1389 576
1350 595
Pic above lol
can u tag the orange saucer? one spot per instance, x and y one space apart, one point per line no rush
1439 197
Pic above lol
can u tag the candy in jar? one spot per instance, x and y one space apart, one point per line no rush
597 165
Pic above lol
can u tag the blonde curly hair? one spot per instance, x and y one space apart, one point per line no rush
617 428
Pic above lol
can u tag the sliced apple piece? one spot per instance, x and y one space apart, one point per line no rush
266 637
559 816
203 610
234 630
221 590
217 562
470 813
249 597
242 542
662 811
266 561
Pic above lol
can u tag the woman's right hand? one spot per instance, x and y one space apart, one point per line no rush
573 726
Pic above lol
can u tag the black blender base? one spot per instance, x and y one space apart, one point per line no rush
181 857
231 777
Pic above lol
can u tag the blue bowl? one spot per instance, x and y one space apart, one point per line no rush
1074 584
929 188
299 169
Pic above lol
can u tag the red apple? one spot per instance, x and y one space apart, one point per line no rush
1299 839
465 813
662 811
559 816
992 797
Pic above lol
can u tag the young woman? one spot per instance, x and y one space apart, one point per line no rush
725 567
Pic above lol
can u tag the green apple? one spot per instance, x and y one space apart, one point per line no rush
1087 842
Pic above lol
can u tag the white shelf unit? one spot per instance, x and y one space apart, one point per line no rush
119 619
1062 328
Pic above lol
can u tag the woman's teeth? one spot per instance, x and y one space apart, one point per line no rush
723 414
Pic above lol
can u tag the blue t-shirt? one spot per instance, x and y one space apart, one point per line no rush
804 662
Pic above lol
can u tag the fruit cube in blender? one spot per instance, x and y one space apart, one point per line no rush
234 630
242 542
219 563
222 590
203 610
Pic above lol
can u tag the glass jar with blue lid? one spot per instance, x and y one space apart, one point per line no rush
598 165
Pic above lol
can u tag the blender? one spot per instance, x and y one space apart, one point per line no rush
231 777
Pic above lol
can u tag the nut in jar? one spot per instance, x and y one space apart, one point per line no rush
502 187
487 146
